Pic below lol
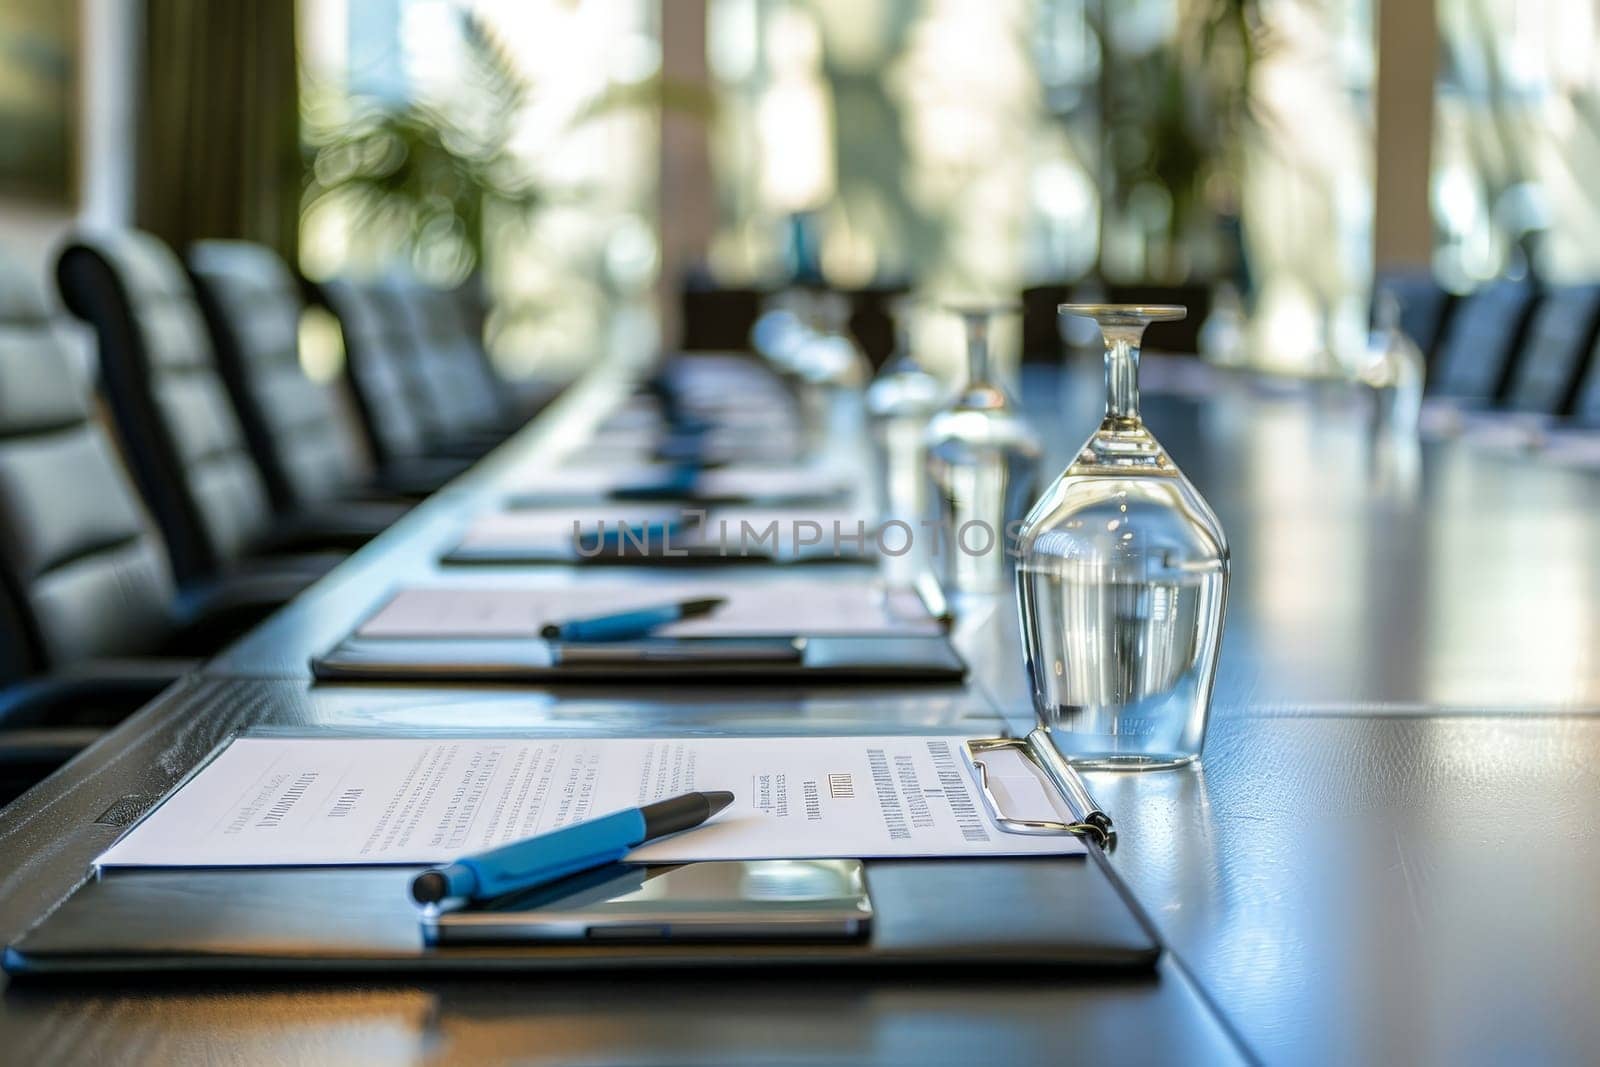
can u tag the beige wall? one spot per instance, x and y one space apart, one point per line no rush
29 232
108 54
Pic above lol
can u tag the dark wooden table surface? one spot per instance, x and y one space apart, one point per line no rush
1389 853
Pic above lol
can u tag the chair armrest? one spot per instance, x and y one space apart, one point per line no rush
47 720
210 615
30 754
93 693
297 535
341 526
467 447
375 495
418 478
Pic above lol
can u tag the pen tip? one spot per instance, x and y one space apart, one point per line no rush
716 800
429 887
549 631
702 607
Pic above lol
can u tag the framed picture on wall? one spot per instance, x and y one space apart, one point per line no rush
38 99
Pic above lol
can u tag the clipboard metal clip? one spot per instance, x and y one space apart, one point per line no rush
1089 820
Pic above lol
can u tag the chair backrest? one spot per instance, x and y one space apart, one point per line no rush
171 408
1425 307
295 426
375 351
1475 353
1545 376
77 553
450 355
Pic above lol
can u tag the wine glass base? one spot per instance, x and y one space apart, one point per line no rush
1126 762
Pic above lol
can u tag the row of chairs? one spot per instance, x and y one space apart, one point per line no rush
1510 345
232 481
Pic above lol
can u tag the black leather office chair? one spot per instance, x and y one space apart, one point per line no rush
1560 337
395 410
523 396
310 457
1425 307
471 401
1476 351
177 423
90 617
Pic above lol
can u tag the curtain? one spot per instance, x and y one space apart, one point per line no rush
219 152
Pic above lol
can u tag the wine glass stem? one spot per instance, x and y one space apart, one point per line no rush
1122 374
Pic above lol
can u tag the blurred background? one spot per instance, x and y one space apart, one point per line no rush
633 171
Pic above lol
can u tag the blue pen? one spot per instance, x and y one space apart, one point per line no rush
629 625
537 860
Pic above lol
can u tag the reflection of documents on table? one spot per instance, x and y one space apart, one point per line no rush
753 609
268 801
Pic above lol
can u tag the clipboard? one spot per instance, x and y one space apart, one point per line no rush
922 659
1010 913
1044 915
779 658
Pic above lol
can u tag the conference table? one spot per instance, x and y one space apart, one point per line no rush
1389 852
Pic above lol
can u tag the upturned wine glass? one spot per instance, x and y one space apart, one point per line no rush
900 401
1122 582
983 462
1394 367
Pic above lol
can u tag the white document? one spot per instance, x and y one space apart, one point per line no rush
754 609
343 801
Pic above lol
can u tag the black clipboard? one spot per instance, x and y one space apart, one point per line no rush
1040 912
913 659
1070 911
922 658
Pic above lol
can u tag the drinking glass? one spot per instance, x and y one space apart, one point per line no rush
832 373
829 358
1394 367
1122 580
1222 336
900 401
983 462
780 331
